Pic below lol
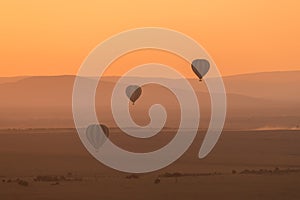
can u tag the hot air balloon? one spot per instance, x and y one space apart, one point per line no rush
200 67
133 92
97 135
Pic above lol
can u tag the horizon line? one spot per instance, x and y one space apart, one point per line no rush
230 75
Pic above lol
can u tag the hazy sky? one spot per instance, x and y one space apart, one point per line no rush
53 37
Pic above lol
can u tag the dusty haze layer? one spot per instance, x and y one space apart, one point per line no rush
255 101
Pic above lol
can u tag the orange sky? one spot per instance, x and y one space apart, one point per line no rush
53 37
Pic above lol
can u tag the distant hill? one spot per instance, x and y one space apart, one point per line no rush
11 79
254 101
283 86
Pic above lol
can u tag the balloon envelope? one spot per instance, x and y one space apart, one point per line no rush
133 92
200 67
97 135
